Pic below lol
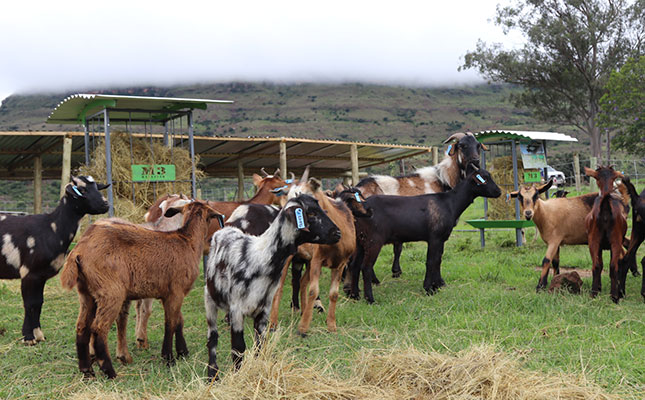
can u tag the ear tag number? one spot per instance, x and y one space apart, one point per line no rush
449 148
358 197
75 189
479 177
300 219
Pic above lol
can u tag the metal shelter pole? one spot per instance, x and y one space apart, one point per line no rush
482 238
353 151
192 153
546 171
165 133
108 161
86 127
518 231
240 180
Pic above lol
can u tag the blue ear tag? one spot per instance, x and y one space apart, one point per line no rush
479 177
288 181
358 197
508 197
75 189
300 219
448 151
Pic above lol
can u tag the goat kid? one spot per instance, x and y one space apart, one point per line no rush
464 149
606 228
116 261
34 246
243 271
429 218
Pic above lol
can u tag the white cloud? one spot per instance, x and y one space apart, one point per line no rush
75 44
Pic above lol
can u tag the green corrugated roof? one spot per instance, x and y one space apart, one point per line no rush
523 135
138 109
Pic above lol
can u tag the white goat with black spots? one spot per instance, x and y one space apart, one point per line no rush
243 271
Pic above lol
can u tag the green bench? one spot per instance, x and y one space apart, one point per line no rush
482 224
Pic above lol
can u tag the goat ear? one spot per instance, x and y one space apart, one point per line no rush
545 187
257 179
315 184
172 211
590 172
514 194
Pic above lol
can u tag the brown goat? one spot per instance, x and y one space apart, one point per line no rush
116 261
334 256
606 228
558 220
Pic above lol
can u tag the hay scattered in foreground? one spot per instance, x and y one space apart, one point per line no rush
479 373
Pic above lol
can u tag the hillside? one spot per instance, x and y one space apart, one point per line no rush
359 112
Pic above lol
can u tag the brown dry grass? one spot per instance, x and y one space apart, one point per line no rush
403 373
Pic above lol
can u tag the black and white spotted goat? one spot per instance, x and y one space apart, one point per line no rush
34 246
243 271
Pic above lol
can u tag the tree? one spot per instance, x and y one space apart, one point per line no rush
623 106
570 50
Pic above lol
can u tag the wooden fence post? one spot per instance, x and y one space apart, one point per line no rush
576 171
38 185
593 164
435 155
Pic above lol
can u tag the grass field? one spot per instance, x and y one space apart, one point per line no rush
489 299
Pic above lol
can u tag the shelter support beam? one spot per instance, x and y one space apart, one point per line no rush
283 159
38 184
435 155
353 150
108 162
240 180
518 231
66 167
191 141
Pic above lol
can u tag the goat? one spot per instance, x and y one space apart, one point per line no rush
116 261
558 220
606 227
428 217
463 150
156 220
335 256
560 193
637 236
243 271
34 246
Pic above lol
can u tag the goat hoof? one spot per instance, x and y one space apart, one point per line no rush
636 273
29 342
396 274
125 359
142 343
88 373
182 354
110 374
318 306
302 334
354 296
375 281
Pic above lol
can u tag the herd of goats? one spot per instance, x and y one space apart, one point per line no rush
251 243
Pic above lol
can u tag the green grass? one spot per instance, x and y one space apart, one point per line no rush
490 298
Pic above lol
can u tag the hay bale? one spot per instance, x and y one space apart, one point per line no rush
501 169
131 200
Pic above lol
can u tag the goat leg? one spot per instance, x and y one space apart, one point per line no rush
122 353
180 341
397 248
237 338
433 280
596 269
143 310
213 336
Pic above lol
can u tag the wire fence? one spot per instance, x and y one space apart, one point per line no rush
634 168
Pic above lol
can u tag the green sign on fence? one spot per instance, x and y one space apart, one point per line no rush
153 173
532 176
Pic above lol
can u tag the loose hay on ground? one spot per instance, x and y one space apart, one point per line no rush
478 373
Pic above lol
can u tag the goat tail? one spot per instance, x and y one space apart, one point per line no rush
69 276
631 190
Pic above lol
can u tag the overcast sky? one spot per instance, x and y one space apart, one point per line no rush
61 45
